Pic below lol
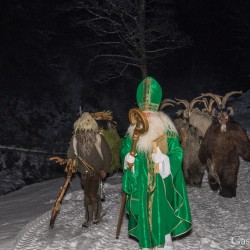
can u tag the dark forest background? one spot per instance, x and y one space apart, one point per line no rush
47 70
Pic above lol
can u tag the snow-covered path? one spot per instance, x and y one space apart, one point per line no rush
25 216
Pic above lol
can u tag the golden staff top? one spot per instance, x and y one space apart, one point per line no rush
136 116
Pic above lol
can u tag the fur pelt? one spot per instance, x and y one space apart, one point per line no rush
191 131
200 120
190 141
85 123
192 167
220 152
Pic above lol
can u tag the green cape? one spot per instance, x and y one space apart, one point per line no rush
156 207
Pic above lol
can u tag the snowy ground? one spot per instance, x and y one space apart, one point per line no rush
25 216
218 223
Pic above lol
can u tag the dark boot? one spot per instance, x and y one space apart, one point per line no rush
97 210
88 216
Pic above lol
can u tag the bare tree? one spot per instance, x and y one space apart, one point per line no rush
127 35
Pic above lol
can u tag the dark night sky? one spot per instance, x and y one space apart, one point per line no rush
214 62
220 34
40 62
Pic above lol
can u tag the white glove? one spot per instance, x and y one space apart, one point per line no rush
158 156
164 167
163 161
129 159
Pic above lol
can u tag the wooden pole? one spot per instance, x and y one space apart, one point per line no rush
136 116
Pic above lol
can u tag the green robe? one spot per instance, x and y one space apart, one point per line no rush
156 207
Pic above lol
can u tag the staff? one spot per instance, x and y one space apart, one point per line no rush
137 118
70 169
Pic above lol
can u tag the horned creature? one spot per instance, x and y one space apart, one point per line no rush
191 126
211 141
224 142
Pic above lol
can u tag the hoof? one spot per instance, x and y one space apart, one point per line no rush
214 186
228 192
196 184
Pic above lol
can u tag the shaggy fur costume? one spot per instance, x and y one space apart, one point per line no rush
220 153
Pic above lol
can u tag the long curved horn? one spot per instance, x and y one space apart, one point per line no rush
210 105
184 102
192 103
217 98
205 102
164 105
224 99
167 102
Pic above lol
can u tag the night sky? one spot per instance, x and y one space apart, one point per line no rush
41 58
219 58
219 51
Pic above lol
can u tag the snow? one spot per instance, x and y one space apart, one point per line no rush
218 223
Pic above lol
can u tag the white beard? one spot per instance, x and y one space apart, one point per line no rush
159 123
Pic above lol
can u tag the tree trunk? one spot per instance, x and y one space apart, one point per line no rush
142 47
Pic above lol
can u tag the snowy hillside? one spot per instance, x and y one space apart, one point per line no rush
218 223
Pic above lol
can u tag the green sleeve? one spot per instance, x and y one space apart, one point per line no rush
129 182
175 154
